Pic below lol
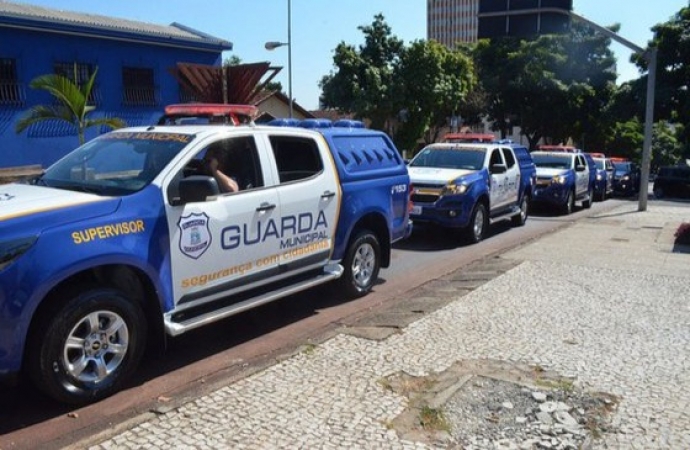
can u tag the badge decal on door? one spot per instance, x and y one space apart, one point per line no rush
195 235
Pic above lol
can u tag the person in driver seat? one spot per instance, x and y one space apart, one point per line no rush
213 166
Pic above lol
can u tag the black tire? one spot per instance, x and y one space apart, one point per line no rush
362 264
479 222
75 363
569 206
520 219
659 192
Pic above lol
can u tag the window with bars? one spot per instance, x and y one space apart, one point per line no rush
10 89
79 74
138 87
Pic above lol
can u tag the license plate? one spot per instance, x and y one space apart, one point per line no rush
416 210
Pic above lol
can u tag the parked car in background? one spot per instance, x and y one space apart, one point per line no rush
562 179
470 186
672 182
603 184
626 178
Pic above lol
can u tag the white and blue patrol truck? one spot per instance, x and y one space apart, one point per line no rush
563 178
127 239
468 186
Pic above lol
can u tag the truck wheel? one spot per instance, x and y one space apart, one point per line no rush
479 222
569 206
362 263
89 347
519 220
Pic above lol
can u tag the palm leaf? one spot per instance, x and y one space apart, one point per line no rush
64 90
42 113
73 105
110 122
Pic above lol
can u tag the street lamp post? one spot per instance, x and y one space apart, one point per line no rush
274 44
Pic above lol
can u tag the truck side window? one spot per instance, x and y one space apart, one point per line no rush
297 158
508 156
238 159
495 158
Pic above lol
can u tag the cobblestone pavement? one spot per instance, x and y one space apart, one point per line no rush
618 329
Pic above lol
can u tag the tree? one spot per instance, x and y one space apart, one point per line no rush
666 149
72 106
431 84
626 139
554 86
673 72
362 83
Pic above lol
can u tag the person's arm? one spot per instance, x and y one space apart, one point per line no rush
225 183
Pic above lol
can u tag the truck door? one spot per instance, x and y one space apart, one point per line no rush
581 176
499 180
309 194
228 242
512 190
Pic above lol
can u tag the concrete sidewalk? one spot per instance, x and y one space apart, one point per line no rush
605 302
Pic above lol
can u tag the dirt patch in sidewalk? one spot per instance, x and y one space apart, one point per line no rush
497 404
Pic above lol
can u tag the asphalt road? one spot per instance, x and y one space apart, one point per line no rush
202 360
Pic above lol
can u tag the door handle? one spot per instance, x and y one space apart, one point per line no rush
265 206
327 195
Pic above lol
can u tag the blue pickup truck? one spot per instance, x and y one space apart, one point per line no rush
563 178
129 239
468 186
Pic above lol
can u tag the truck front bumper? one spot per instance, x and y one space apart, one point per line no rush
553 194
452 212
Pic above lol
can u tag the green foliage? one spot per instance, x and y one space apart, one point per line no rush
673 72
626 140
666 148
558 88
554 87
362 83
432 82
72 106
409 91
233 60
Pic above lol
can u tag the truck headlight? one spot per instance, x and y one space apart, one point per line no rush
626 178
558 179
599 177
454 189
11 250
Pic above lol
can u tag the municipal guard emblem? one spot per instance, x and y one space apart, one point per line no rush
195 235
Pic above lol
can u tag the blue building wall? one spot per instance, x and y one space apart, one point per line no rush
36 52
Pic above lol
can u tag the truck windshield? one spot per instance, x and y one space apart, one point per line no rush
553 161
450 158
118 163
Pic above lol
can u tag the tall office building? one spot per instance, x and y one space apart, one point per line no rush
452 21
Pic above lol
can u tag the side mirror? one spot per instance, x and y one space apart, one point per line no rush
580 168
197 188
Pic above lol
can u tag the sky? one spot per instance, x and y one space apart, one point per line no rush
318 26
